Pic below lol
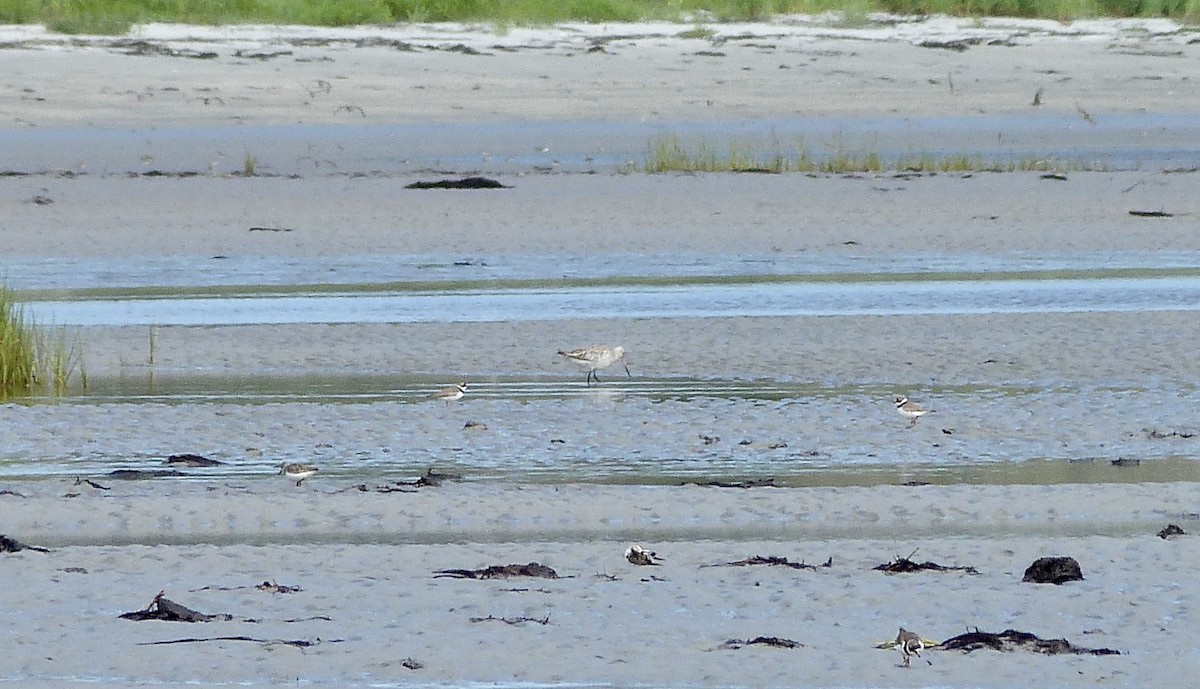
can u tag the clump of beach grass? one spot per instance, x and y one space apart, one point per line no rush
249 165
34 360
666 154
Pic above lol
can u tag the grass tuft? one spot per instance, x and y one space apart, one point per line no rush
667 154
18 348
249 165
33 360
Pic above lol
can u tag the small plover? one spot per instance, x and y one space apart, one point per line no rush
452 393
595 358
910 409
638 555
909 643
297 472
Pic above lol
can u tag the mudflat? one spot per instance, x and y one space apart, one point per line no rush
141 146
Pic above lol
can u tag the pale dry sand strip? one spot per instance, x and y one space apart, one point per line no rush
253 511
1015 215
643 73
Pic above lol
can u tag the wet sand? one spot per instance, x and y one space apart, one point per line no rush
369 598
366 560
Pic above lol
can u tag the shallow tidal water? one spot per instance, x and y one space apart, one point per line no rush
641 429
374 429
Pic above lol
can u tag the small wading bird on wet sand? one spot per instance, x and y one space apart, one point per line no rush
595 358
637 555
297 472
910 409
452 393
910 644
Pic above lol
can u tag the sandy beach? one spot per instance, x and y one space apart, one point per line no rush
139 142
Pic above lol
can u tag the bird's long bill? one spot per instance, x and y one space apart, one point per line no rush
626 368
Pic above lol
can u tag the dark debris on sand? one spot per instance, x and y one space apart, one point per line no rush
12 545
1011 640
533 569
1170 531
430 479
905 565
772 641
751 483
188 459
463 183
167 610
772 562
1053 570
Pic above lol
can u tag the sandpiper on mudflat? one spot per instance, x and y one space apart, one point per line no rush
595 358
297 472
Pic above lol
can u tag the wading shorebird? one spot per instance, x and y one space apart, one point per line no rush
595 358
910 409
297 472
452 393
910 644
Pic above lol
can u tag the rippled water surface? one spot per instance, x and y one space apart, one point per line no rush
627 430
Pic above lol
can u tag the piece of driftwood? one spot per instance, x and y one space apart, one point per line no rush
272 587
295 643
770 561
13 493
385 488
1171 530
1011 640
751 483
1155 434
167 610
267 586
905 565
12 545
433 478
430 479
90 482
190 460
143 474
773 641
463 183
533 569
1053 570
1151 214
512 620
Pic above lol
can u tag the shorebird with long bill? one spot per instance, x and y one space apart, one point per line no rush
595 358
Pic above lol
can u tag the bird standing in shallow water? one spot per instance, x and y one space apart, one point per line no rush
910 409
451 393
297 472
595 358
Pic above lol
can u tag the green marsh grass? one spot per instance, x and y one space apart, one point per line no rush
32 359
666 154
118 16
249 165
